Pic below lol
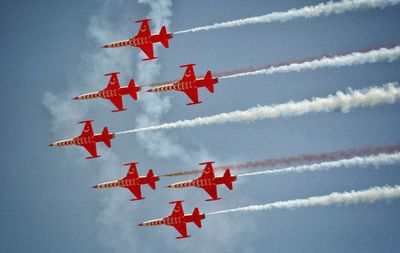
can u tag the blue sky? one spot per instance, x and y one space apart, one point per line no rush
51 53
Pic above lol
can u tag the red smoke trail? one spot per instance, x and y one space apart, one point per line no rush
305 158
268 66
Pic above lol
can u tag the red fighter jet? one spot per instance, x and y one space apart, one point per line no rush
145 40
88 139
208 181
132 181
190 85
178 219
114 92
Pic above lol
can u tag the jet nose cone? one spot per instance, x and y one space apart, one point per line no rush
105 46
149 90
95 186
75 98
169 186
140 225
51 144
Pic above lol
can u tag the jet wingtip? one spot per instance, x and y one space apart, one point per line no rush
142 20
208 162
176 201
131 163
182 237
92 157
195 103
213 199
150 59
119 110
187 65
136 199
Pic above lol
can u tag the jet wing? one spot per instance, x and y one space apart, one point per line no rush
117 101
178 210
144 30
208 172
189 75
212 191
136 191
182 229
148 50
91 148
193 94
114 82
87 129
132 172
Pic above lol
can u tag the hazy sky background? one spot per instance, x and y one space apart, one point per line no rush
51 53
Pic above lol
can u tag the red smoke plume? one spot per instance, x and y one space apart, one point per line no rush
305 158
251 69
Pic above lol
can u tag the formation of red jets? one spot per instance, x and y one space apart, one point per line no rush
189 84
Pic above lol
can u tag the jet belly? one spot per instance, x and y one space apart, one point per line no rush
109 184
200 183
155 222
142 180
81 141
63 143
127 182
108 93
121 43
191 218
91 95
139 41
102 137
178 86
162 88
171 221
181 86
183 184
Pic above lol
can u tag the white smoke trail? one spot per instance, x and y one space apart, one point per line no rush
353 197
373 160
387 94
153 107
325 9
353 59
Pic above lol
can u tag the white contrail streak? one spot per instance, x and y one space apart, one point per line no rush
305 12
387 94
353 59
353 197
366 161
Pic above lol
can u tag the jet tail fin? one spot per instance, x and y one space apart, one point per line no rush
164 36
210 81
228 179
106 137
133 89
151 179
197 217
